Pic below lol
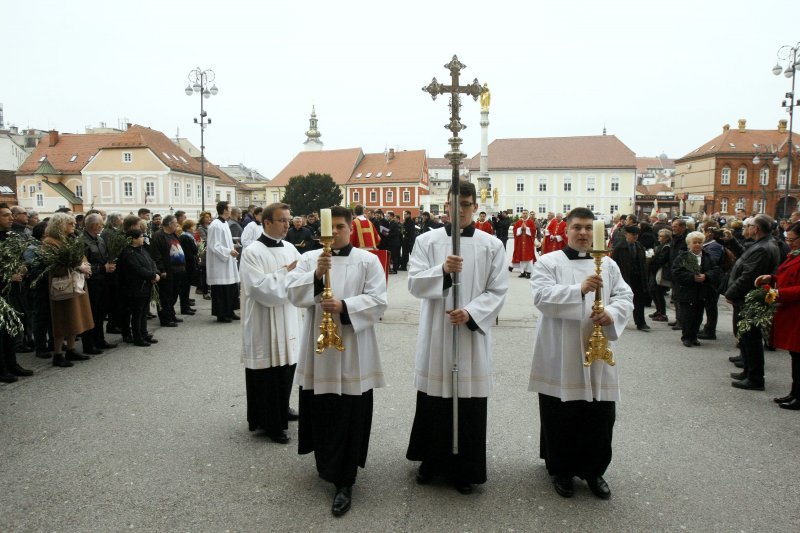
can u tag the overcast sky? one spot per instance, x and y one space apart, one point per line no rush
662 76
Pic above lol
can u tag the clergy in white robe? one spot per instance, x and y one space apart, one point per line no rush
253 229
483 285
222 270
270 325
576 403
336 387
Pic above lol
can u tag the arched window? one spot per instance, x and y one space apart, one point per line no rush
764 176
726 176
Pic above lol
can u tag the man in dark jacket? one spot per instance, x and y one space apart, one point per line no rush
762 257
390 239
501 227
409 236
94 341
170 261
629 255
678 246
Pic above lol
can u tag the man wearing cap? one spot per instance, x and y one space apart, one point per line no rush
630 257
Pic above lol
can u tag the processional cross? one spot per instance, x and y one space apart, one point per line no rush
456 156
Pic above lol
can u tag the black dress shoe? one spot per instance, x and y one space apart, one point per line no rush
177 320
511 269
113 330
88 351
463 487
735 359
292 415
17 370
523 275
793 405
564 486
8 378
687 343
127 340
151 340
423 477
643 327
677 327
673 323
141 343
223 319
738 364
150 315
189 312
783 399
696 342
106 345
342 500
59 360
747 384
44 355
235 317
280 437
599 487
191 301
707 336
739 376
169 324
72 355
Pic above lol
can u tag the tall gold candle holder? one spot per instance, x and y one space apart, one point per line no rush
328 332
598 343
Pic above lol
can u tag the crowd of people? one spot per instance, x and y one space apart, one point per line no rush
291 289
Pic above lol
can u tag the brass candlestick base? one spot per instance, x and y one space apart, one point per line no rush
598 343
328 332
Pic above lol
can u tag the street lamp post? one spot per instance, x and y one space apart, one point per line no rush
788 54
199 81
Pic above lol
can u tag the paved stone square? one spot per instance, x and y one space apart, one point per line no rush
156 439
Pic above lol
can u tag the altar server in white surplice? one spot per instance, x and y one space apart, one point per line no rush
336 387
483 285
270 326
576 404
222 271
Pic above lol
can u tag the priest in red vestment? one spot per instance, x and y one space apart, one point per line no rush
483 224
524 244
555 234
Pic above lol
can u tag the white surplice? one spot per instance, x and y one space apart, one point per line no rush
251 233
358 280
565 326
270 323
484 282
221 267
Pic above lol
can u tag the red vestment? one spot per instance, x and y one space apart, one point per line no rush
484 226
524 234
363 234
554 230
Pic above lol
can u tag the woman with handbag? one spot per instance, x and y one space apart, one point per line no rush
202 233
70 310
656 282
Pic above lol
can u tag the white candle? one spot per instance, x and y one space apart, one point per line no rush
325 226
598 235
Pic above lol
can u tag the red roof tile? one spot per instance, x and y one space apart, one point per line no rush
599 151
338 163
643 164
80 146
404 167
734 141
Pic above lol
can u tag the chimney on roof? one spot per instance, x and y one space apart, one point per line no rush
53 138
15 130
742 125
391 154
127 126
782 126
725 128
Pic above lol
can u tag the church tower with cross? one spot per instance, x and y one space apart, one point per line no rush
312 144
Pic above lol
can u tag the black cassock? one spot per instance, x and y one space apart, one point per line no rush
268 391
432 438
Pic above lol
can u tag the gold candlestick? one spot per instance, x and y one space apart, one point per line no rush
328 332
598 343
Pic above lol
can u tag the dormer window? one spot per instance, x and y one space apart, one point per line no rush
369 175
42 159
73 158
127 157
358 175
379 174
389 174
166 155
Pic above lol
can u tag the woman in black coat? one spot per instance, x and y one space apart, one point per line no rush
660 260
138 274
189 246
695 276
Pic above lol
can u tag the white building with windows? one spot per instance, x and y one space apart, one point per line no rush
118 172
559 173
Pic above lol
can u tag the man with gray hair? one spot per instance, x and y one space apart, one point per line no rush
761 257
170 261
96 252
